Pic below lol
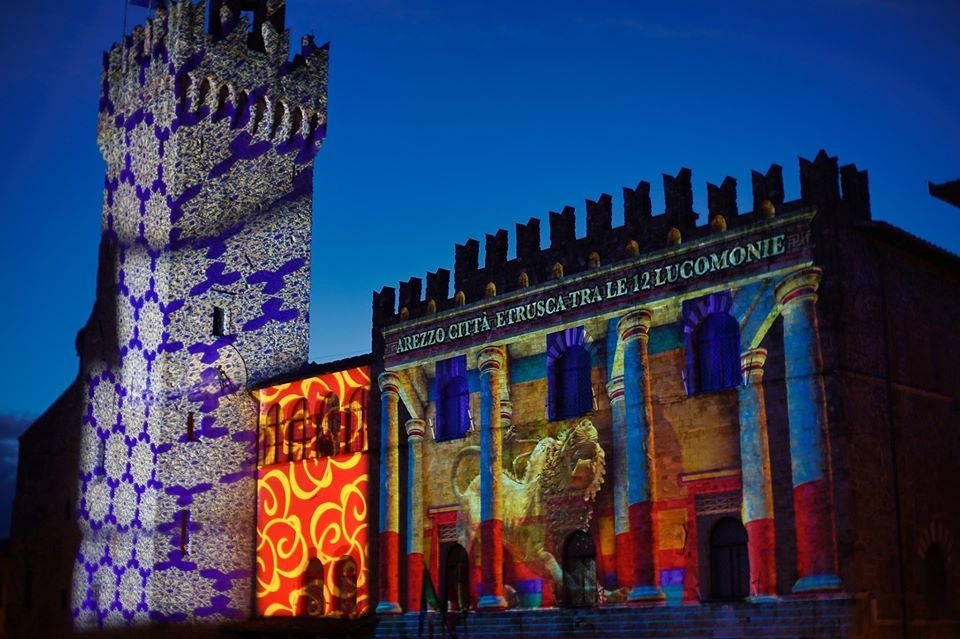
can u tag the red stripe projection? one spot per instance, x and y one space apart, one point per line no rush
815 552
760 548
641 529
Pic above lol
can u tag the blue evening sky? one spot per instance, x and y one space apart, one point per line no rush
448 120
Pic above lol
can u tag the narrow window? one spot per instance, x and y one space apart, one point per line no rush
327 443
102 457
319 413
184 532
295 430
453 399
274 434
191 428
219 321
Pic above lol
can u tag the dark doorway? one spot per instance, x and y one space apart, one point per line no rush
729 565
455 584
345 572
312 601
579 571
935 581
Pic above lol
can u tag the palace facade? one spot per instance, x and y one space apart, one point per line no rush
747 425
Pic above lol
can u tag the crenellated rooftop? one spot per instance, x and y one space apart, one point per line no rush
241 49
835 192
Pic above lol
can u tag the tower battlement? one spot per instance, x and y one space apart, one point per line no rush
235 66
835 192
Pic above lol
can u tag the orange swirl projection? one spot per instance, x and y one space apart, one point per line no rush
312 508
339 396
315 508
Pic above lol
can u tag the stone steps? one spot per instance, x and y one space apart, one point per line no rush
786 619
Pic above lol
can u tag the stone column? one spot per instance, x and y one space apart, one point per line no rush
389 494
757 509
638 419
807 411
621 516
490 361
415 428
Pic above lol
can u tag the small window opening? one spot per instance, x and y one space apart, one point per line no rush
192 435
102 457
295 431
184 532
219 321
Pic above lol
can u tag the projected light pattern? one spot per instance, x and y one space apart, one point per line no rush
311 508
312 496
157 507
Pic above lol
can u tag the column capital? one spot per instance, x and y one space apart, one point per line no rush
389 383
615 388
799 285
506 410
491 359
415 429
635 325
751 364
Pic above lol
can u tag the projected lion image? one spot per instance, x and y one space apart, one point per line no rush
567 468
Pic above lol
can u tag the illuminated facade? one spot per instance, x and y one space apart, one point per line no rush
757 411
312 494
662 413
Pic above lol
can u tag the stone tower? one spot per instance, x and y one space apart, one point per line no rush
209 134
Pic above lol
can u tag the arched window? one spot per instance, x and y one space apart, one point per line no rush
569 390
327 437
333 423
345 582
729 564
453 399
295 430
355 426
711 343
579 570
572 375
717 341
272 440
312 599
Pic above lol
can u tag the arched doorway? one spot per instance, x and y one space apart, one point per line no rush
579 571
345 580
455 585
729 563
312 599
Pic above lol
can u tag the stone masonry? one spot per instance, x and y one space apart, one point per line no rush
209 136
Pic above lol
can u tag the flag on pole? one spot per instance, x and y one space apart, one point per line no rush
428 599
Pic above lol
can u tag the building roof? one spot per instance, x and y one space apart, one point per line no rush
312 369
949 192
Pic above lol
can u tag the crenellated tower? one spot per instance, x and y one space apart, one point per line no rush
209 130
